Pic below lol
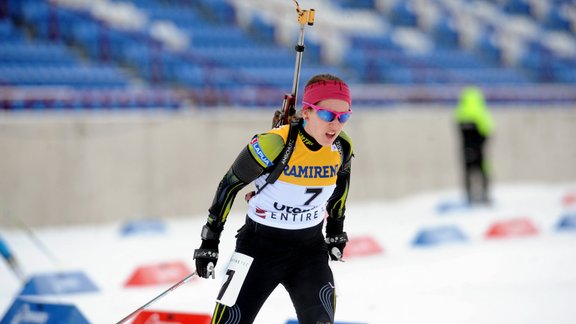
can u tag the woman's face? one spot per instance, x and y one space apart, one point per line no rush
325 132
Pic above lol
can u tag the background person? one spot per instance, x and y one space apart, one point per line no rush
476 126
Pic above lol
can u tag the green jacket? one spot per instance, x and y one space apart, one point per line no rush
472 109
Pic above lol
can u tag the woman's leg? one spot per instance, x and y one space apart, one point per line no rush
311 287
265 272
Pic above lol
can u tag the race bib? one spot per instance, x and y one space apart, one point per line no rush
235 276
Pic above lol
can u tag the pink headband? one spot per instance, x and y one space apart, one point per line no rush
329 89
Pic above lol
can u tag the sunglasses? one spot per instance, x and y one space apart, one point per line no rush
329 115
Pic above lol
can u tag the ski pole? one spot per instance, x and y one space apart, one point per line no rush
282 117
36 240
176 285
11 260
45 250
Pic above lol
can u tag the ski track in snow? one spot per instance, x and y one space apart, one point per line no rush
518 280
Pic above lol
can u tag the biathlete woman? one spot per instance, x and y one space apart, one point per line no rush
282 240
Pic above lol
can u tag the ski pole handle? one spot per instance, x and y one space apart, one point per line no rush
336 252
211 272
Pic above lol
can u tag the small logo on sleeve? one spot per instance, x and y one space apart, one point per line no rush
256 146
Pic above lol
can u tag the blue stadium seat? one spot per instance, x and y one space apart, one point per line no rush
220 10
557 19
518 7
487 47
9 33
356 4
403 14
446 33
261 29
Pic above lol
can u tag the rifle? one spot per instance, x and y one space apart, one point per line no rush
288 111
286 115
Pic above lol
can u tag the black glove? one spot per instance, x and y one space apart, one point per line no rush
206 258
207 255
336 244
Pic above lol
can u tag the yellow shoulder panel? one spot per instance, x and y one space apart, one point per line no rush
267 146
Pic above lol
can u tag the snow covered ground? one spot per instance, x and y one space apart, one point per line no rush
466 277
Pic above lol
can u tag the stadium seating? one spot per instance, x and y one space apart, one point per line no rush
220 48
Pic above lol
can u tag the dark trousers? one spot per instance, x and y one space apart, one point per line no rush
476 178
476 183
297 259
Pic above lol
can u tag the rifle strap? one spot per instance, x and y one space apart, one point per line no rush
282 160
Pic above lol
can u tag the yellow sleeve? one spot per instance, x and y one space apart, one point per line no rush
266 147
